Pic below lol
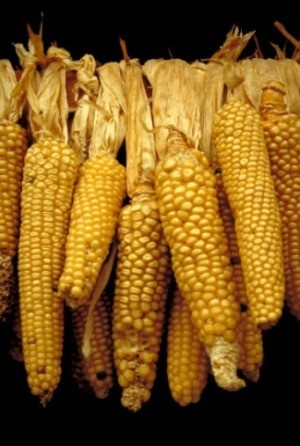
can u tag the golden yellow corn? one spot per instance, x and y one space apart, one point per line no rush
282 134
142 279
251 356
185 188
243 158
250 336
187 360
13 146
95 212
97 368
49 175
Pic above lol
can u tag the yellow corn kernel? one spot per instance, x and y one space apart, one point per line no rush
97 368
243 158
142 279
13 146
98 197
49 175
282 134
203 272
187 360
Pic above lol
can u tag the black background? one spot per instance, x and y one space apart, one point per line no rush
269 406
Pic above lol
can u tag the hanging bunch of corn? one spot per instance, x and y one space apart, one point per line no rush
13 145
282 134
50 172
185 188
187 360
99 193
143 268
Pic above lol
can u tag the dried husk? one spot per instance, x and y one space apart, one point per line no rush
177 95
109 120
140 148
7 84
87 86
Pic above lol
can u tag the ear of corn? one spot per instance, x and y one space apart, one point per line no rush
50 172
282 134
13 145
192 226
49 176
98 195
187 360
143 267
185 188
97 367
243 158
250 336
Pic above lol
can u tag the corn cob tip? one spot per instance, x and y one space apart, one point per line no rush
134 396
6 283
46 397
253 376
224 358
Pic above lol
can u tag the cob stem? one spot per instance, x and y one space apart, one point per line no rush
224 358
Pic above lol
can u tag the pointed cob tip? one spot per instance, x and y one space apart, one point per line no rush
224 359
46 397
134 396
253 376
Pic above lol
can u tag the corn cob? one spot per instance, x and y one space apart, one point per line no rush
13 145
187 360
98 196
250 336
282 134
50 172
143 268
243 158
185 188
98 366
187 199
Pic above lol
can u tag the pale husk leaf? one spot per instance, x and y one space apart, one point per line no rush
176 101
109 120
213 92
7 84
82 126
49 107
140 148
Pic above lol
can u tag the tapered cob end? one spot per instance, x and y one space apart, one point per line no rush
134 397
224 358
253 376
6 282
